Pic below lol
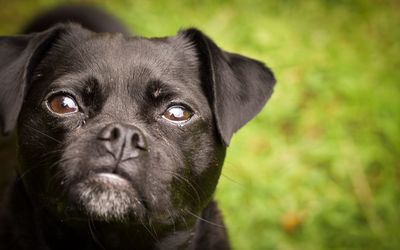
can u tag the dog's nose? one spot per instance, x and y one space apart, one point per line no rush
123 141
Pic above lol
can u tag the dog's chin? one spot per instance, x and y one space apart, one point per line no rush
108 197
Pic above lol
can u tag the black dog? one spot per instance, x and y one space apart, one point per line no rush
121 139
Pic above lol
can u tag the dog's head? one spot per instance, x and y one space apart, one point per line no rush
115 128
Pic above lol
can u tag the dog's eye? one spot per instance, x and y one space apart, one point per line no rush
177 114
62 104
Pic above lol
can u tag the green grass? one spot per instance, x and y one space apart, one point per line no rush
319 168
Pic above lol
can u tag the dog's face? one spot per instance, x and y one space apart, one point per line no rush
125 129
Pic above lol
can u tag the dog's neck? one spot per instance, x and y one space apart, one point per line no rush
45 231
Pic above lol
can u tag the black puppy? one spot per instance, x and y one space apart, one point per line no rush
121 139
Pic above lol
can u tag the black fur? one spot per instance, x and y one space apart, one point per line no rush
118 173
87 16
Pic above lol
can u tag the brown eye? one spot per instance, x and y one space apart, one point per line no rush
177 114
62 104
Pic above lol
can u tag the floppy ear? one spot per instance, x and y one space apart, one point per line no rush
237 87
19 55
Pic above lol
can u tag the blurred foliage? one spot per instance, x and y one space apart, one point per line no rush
319 168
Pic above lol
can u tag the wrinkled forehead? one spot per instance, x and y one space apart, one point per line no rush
130 60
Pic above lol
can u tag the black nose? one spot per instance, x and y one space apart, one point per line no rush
123 141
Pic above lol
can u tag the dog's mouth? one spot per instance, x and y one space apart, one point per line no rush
110 179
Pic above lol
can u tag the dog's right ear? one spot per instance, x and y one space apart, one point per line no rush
19 56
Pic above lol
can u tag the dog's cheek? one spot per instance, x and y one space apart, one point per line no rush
41 143
189 166
158 182
205 164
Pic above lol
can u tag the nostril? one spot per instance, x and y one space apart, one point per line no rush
111 133
135 139
115 134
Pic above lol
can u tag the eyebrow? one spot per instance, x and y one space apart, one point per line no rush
85 86
158 91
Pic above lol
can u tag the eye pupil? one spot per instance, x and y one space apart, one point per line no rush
62 104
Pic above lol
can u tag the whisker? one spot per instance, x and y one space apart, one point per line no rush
42 133
93 234
153 229
202 219
149 231
185 222
232 180
173 220
185 180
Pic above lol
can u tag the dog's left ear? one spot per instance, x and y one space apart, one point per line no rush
19 55
237 87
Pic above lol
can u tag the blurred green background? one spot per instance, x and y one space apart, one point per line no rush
319 167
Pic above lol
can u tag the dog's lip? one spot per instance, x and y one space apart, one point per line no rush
111 177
